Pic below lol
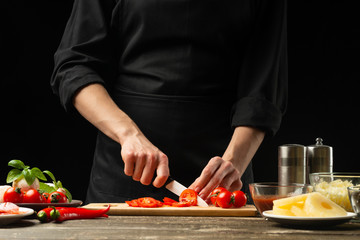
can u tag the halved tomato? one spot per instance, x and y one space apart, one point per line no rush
188 196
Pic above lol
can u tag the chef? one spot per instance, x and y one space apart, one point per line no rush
187 88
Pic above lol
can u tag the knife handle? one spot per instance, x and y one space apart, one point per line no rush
170 179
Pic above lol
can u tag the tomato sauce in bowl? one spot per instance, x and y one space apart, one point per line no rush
263 194
264 203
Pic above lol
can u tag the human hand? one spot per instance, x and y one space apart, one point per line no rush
218 172
142 159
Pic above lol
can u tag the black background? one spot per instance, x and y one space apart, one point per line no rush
323 47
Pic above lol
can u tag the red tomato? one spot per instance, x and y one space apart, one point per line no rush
180 204
224 199
149 202
188 196
133 203
57 197
13 195
45 197
239 199
169 201
32 196
214 195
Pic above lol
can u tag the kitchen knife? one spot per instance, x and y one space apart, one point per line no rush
177 188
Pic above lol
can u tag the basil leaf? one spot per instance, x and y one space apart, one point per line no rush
50 175
68 195
17 164
59 184
29 177
38 173
46 188
13 175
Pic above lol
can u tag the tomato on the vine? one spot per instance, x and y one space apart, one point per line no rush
57 197
214 195
224 199
239 199
32 196
13 195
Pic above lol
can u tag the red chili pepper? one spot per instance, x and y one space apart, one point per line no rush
61 214
44 214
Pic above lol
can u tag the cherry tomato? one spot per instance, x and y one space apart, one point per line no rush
32 196
45 197
239 199
214 195
57 197
13 195
188 196
224 199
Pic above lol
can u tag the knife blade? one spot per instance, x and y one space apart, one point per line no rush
177 188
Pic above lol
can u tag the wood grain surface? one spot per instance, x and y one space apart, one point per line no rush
173 228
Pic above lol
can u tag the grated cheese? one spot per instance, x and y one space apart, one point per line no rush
336 191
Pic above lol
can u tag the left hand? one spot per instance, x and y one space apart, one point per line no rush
218 172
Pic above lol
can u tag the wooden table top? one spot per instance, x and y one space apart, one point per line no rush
173 227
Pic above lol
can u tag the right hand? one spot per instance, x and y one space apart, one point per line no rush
140 156
142 159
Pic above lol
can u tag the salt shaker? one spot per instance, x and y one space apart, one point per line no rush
291 164
319 157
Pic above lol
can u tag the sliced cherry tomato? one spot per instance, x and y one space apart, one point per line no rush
148 202
214 195
32 196
168 201
133 203
240 199
188 196
57 197
13 195
180 204
224 199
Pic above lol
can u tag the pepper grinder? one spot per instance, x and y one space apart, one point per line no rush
291 164
319 158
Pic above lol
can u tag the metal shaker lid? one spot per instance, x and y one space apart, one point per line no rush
291 154
319 150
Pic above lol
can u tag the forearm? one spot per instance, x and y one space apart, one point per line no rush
243 146
140 156
95 104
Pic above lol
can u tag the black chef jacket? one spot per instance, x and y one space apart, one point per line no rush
186 71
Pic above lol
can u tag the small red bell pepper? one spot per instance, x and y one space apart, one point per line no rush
61 214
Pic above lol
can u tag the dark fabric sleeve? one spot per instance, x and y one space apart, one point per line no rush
84 55
262 86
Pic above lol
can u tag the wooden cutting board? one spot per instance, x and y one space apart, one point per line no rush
124 209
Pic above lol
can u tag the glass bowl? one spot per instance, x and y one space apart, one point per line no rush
354 196
335 186
264 193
